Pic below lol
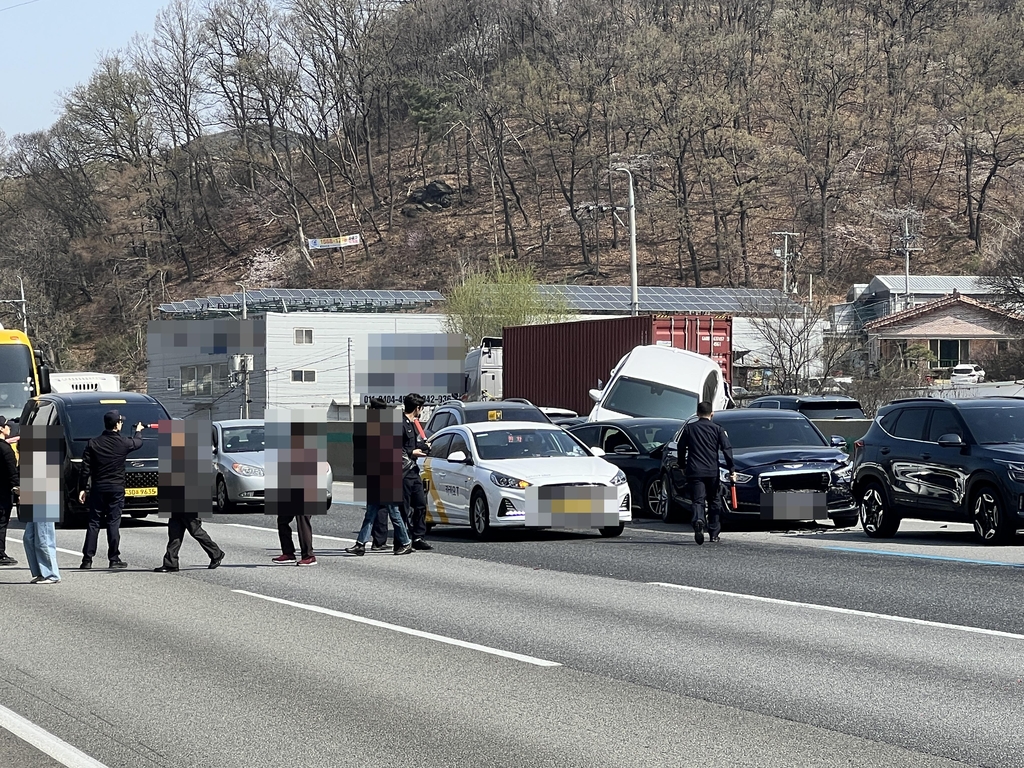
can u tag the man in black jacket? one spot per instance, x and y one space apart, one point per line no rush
103 462
414 447
699 445
9 482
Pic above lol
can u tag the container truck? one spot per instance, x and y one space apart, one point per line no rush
556 365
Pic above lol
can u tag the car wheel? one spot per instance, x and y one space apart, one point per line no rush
876 515
991 523
479 515
651 500
846 521
611 531
330 503
224 504
668 510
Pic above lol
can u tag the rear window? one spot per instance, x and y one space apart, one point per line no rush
964 369
826 410
636 397
499 413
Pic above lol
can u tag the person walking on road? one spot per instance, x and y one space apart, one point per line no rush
103 464
177 525
9 481
700 443
414 446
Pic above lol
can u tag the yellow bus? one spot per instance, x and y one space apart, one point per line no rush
23 375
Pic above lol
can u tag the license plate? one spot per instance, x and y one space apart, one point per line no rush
140 491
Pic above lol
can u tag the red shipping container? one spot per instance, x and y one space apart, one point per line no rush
556 365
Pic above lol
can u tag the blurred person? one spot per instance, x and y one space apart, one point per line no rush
700 443
9 481
301 464
39 504
103 464
378 458
414 447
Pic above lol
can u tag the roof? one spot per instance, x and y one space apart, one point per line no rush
487 426
670 300
932 306
93 397
240 423
808 399
745 414
933 284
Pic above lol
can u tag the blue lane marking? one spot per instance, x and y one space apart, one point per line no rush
924 557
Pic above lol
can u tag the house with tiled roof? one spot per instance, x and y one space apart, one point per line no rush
956 329
885 294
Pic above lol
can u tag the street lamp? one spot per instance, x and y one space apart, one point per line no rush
634 299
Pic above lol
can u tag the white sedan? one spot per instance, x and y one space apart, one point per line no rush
489 474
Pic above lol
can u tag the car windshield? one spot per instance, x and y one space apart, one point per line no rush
996 423
500 413
242 439
746 434
85 421
15 379
650 437
636 397
832 410
500 444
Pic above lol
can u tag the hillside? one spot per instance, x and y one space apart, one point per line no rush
208 153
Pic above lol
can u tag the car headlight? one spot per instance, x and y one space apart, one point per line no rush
843 472
620 478
504 481
247 470
1014 468
723 475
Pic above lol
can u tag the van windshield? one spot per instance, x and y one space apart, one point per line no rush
636 397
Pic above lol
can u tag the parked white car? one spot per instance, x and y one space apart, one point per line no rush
967 373
478 474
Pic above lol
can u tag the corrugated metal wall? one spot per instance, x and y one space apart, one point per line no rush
556 365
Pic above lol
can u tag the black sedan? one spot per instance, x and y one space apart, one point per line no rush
785 470
634 446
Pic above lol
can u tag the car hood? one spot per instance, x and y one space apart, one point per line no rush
548 471
1008 452
755 459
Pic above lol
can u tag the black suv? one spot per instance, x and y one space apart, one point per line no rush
458 412
943 460
80 414
813 406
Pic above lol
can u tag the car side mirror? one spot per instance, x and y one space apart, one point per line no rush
838 441
595 394
951 441
627 449
597 451
458 457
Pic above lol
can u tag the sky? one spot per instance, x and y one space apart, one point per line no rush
47 47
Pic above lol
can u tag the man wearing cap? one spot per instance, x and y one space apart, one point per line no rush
103 462
8 488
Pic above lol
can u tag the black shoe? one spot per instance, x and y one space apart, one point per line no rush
161 569
86 565
215 562
118 564
715 539
356 549
421 544
7 560
698 532
404 550
378 547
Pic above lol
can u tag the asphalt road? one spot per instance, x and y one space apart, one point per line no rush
536 649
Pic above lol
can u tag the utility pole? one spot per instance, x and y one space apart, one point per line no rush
351 414
24 305
244 313
906 239
634 298
785 256
241 365
246 365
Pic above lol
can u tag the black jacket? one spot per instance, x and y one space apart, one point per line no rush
698 449
9 476
411 440
103 461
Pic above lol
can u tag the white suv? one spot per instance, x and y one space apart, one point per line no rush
967 373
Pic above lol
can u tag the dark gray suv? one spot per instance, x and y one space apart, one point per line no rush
943 460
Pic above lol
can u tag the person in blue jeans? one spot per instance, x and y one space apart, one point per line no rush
377 461
40 541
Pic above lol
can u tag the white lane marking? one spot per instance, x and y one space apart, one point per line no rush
274 530
46 742
65 551
847 611
405 630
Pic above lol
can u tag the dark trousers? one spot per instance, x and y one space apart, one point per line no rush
706 492
415 505
380 524
284 532
5 519
176 528
104 511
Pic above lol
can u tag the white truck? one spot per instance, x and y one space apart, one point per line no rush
483 370
84 381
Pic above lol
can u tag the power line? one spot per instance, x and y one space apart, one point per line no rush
18 5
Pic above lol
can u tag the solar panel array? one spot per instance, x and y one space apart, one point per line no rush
304 300
615 298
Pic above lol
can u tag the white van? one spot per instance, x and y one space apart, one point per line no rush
483 371
84 381
659 382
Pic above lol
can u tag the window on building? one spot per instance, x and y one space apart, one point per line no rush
306 376
221 378
188 381
303 335
950 352
1003 345
203 380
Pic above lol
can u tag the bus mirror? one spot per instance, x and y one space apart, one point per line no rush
44 379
